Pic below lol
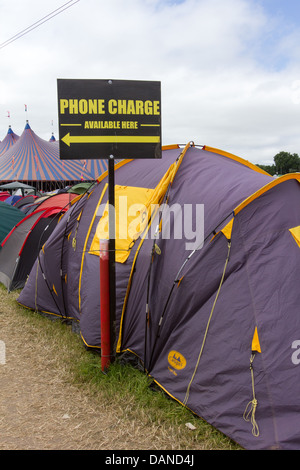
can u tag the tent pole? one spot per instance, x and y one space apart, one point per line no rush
104 305
108 278
112 246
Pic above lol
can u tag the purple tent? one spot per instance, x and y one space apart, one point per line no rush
218 280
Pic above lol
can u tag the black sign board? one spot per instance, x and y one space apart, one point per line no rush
99 118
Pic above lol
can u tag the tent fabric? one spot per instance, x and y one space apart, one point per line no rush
4 195
12 199
14 185
21 246
62 200
10 139
29 199
9 217
80 188
214 325
34 159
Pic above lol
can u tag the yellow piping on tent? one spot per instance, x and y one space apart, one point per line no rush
172 174
237 159
128 160
76 199
208 324
170 147
118 347
144 198
227 230
267 187
85 243
118 165
48 313
88 345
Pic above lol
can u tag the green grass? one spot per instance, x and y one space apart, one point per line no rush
123 385
141 393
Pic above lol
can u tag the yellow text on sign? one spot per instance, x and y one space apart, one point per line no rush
111 125
100 106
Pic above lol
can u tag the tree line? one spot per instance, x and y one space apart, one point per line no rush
284 162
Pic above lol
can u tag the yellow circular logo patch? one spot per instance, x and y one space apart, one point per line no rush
176 360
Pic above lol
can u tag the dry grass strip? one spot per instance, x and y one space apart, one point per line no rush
41 408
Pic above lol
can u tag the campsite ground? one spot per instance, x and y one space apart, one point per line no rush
43 408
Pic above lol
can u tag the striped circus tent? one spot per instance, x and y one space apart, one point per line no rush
94 168
10 139
36 161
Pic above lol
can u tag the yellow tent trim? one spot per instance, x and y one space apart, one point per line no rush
49 313
85 243
237 159
61 216
131 209
255 342
88 345
129 227
170 147
125 161
296 234
227 230
175 167
76 199
119 343
267 187
168 178
118 165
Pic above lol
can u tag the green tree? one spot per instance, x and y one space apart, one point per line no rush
286 162
271 169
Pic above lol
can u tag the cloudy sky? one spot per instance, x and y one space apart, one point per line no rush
229 69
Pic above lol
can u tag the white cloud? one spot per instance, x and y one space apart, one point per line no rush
229 79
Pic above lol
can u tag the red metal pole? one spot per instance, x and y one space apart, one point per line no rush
104 305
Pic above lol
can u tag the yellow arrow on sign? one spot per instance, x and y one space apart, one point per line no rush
109 139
